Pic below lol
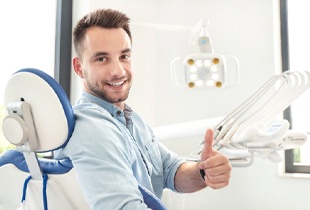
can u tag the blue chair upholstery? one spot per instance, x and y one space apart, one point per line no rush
58 182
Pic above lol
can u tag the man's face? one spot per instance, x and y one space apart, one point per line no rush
106 64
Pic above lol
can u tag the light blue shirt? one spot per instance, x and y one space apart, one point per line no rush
113 151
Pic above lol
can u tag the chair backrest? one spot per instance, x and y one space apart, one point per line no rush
40 119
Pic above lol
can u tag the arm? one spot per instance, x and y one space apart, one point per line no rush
215 165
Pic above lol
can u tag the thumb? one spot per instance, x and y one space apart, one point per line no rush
207 150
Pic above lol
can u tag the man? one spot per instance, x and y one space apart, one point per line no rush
112 149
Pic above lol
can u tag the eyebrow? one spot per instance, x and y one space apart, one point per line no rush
106 53
126 50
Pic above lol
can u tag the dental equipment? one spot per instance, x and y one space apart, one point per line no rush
205 69
196 130
251 129
251 126
271 99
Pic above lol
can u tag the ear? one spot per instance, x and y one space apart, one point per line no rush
77 67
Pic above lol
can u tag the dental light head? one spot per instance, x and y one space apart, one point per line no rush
206 69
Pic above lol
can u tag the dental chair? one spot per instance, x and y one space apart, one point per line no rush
39 121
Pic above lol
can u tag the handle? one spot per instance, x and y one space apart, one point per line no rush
174 68
235 67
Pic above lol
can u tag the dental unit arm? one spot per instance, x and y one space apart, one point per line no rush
252 126
251 129
204 40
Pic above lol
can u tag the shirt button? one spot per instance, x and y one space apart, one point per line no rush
118 112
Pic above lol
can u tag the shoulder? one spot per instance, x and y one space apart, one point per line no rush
96 130
95 125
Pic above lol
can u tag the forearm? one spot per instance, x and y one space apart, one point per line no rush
188 178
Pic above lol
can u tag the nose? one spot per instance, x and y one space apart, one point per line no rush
117 69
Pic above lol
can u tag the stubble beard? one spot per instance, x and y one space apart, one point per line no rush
103 94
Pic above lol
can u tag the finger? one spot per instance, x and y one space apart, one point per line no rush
217 170
218 182
217 159
207 150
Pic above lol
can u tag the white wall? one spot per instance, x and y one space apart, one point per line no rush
247 29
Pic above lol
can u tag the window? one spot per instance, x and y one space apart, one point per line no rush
296 45
27 40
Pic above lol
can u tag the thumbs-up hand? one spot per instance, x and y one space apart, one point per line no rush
215 165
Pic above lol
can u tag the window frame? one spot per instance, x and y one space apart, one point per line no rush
290 166
63 45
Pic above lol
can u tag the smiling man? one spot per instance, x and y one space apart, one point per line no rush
112 149
105 65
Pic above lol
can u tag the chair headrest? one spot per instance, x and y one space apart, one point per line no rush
50 107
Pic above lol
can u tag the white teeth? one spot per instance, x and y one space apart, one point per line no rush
116 84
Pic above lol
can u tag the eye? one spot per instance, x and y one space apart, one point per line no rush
101 59
125 56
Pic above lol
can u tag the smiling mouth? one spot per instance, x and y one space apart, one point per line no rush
117 84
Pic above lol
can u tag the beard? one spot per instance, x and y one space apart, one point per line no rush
100 92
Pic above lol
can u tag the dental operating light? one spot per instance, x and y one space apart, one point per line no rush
206 69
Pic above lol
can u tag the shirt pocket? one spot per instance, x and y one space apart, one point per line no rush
154 155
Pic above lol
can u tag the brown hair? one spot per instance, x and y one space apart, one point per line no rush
105 18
